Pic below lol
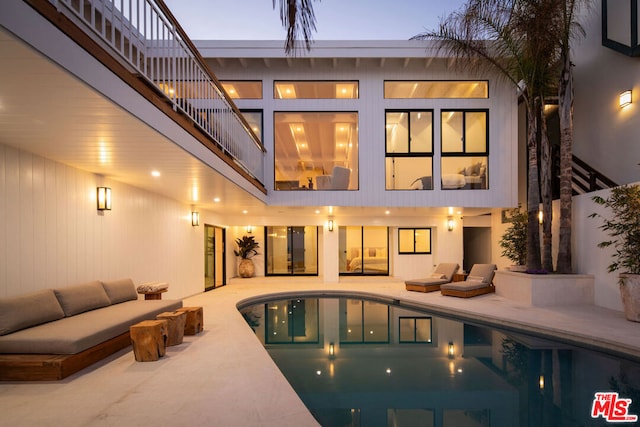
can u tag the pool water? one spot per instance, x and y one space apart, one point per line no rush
359 362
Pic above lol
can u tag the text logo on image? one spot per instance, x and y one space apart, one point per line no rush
612 408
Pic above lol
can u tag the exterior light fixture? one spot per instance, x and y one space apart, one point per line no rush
195 218
330 225
625 98
332 350
103 198
450 223
541 382
540 217
450 350
249 229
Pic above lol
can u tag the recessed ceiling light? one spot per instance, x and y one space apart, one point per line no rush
245 211
216 199
155 173
387 212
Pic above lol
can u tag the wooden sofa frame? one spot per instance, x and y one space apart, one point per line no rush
53 367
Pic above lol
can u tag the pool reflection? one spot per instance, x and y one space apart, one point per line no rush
392 366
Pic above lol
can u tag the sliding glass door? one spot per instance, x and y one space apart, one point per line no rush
291 250
363 250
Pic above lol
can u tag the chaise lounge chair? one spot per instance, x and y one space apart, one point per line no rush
479 281
442 274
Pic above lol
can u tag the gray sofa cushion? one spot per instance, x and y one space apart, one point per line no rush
28 310
80 298
120 290
71 335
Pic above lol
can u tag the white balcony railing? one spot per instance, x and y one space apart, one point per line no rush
146 36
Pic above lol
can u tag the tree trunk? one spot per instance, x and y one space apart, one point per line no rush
533 192
565 112
547 196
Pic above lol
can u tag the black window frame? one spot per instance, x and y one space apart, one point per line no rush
414 252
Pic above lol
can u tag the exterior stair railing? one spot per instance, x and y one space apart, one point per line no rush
586 179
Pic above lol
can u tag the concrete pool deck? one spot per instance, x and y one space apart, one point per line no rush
224 376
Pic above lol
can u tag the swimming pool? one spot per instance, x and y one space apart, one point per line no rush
356 361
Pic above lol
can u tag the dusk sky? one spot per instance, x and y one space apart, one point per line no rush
335 19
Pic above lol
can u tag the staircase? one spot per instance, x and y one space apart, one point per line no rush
585 179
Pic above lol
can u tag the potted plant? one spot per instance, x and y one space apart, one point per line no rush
623 229
514 240
247 249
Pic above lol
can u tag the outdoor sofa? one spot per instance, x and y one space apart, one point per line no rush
53 333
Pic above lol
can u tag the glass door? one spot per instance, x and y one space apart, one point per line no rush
291 250
363 250
214 255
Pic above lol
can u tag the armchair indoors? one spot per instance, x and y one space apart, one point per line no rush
338 180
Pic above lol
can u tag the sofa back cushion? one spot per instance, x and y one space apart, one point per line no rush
120 290
80 298
28 310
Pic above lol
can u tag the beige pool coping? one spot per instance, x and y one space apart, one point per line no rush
224 377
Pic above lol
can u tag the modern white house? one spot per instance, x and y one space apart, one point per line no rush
379 158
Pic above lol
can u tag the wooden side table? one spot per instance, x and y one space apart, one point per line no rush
459 277
175 328
194 323
149 339
153 290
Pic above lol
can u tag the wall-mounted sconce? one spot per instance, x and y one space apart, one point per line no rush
625 98
332 350
450 350
540 217
104 198
330 224
541 382
249 229
450 223
195 218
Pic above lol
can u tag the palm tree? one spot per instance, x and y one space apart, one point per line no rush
506 36
299 19
569 29
530 46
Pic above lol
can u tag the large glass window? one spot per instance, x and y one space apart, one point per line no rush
316 150
414 241
409 150
436 89
363 321
315 90
243 89
363 250
291 250
465 149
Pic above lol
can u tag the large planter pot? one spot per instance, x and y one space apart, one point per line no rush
246 268
630 292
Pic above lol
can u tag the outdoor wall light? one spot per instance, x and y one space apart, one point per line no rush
540 217
104 198
450 223
450 350
625 98
330 225
195 218
332 350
